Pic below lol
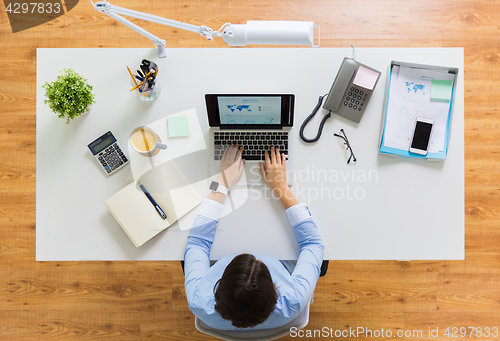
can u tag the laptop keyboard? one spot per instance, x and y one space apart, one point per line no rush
254 143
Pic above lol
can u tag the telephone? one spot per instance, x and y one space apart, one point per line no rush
349 95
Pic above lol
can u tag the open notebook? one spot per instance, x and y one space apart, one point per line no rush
135 213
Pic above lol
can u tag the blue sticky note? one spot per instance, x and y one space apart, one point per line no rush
178 126
441 90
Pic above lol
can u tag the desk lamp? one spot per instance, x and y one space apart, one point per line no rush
253 32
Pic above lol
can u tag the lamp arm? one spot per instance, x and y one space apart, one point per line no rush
253 32
115 11
157 41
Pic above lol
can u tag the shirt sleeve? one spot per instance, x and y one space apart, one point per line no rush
200 239
308 268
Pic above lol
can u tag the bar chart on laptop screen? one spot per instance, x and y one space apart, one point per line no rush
250 110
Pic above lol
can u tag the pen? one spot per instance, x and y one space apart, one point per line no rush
158 208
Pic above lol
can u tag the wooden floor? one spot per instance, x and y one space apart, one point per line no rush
146 300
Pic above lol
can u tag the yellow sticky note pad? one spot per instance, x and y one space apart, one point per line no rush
178 126
441 90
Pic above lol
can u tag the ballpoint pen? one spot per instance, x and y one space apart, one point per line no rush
157 207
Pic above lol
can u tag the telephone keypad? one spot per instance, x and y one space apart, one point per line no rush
355 99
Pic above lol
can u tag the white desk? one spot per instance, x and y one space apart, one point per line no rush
370 212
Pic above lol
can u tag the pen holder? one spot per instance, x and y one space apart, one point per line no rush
151 94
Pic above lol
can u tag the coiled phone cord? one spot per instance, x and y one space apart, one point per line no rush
308 118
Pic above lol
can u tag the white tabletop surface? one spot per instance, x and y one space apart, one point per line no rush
379 208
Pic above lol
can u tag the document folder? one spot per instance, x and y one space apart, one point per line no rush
386 148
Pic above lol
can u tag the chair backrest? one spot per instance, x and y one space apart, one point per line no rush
258 335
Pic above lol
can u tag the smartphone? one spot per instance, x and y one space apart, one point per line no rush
421 135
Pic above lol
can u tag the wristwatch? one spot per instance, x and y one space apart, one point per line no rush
217 187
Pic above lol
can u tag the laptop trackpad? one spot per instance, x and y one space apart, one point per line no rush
253 174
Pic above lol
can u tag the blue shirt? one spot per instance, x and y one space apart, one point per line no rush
294 290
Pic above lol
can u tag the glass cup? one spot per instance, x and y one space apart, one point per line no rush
149 95
146 142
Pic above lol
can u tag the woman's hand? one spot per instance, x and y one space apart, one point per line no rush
231 166
274 173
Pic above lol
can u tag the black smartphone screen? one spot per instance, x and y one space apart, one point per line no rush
421 135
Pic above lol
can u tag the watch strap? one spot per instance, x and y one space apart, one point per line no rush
223 190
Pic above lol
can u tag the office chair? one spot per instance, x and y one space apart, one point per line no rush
258 335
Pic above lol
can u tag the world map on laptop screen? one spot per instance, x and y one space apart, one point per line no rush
250 110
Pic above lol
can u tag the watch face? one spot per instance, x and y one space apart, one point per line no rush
214 186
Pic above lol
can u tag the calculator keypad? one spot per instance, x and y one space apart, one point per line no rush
112 158
355 98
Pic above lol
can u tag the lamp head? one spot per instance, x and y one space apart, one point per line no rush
270 32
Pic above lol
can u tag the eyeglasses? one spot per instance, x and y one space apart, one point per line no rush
343 136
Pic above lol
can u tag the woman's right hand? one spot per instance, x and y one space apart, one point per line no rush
274 171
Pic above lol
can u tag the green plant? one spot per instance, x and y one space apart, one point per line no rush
69 95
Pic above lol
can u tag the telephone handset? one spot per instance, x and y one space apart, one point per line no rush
340 84
349 95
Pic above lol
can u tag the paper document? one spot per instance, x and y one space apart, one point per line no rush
410 97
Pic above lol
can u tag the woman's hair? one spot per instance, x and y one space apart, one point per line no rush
245 294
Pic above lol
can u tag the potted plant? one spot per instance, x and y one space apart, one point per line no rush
69 96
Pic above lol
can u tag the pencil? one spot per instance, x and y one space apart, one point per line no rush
133 78
135 87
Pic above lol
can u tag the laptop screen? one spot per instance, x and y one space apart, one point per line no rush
250 111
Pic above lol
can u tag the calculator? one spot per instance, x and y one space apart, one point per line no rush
108 152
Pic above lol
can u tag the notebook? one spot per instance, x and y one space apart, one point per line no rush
135 213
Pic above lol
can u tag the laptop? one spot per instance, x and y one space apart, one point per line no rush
257 122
